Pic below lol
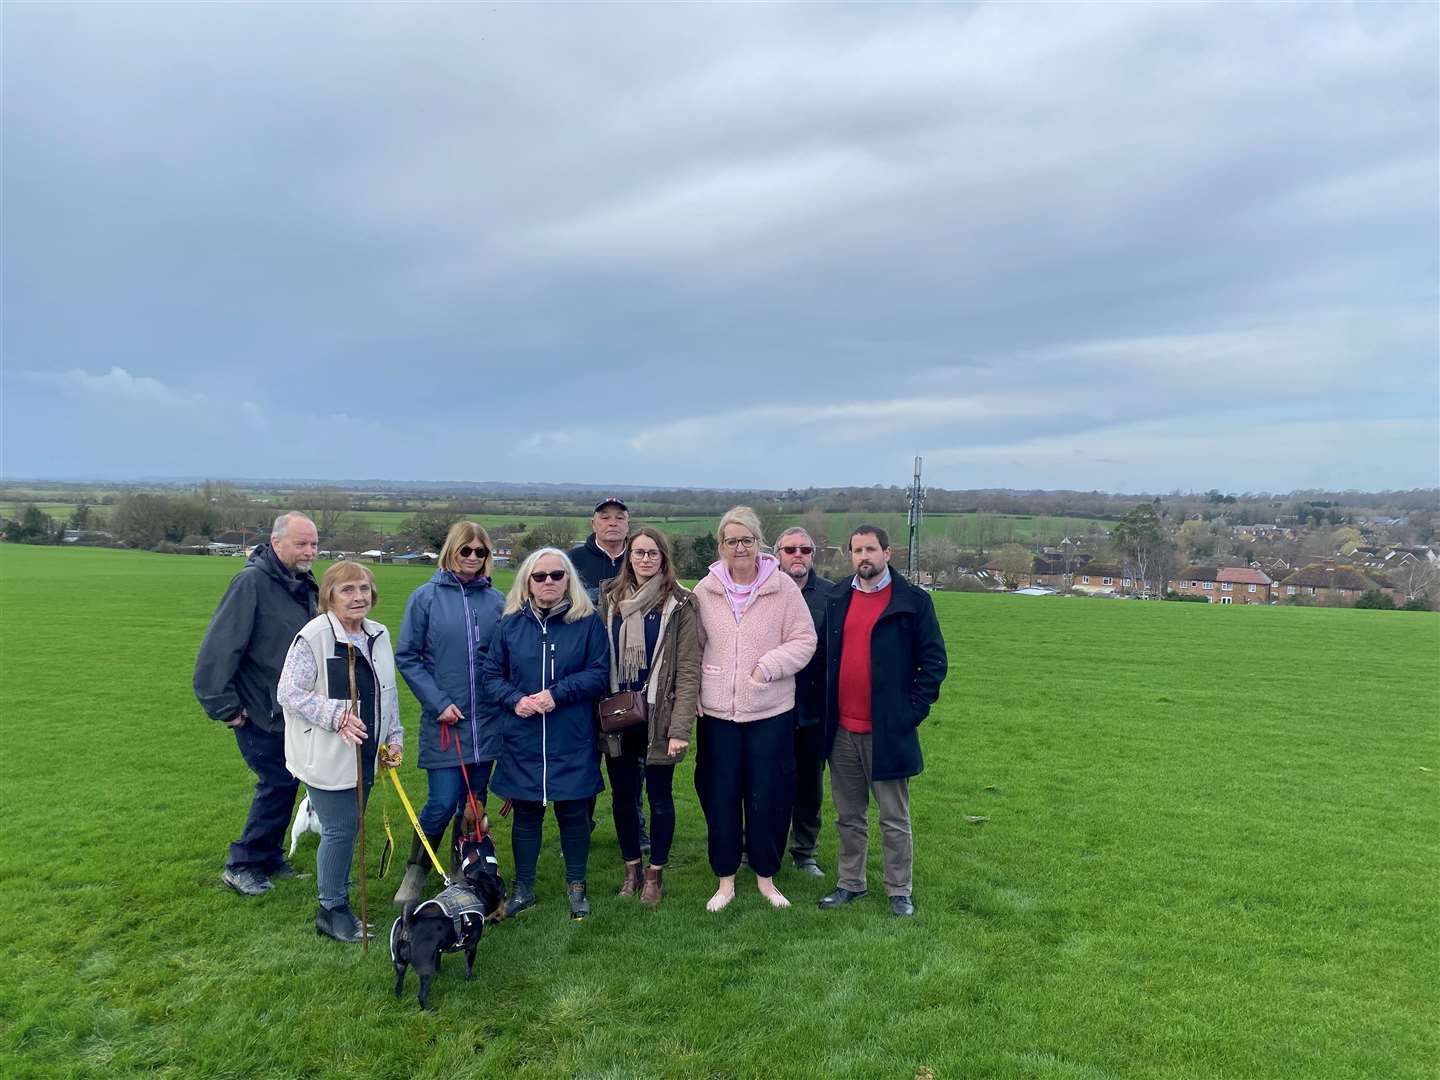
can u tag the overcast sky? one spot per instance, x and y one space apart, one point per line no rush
1132 247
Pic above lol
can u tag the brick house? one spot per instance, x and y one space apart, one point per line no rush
1101 579
1322 584
1197 581
1243 585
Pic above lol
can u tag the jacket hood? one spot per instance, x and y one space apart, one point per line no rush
765 570
264 558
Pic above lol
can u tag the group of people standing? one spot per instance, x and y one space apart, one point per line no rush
767 668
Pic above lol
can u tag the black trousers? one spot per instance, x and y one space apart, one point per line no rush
745 777
809 790
262 844
572 816
628 774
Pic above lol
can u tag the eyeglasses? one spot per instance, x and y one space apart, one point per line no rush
797 549
554 575
737 542
644 556
478 552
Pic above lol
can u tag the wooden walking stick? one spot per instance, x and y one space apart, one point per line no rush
360 806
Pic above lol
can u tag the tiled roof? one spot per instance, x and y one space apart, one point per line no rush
1243 575
1320 577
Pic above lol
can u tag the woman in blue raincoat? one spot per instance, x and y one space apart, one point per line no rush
447 628
547 665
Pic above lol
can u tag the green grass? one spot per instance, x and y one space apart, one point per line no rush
1210 851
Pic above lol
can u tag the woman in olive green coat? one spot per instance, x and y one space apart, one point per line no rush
653 631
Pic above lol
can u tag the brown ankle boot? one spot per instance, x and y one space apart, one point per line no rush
634 879
654 885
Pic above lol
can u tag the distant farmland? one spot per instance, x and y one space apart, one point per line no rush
961 528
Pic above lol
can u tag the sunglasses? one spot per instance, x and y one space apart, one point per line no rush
478 552
797 549
554 575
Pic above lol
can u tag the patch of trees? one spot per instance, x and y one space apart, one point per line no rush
144 519
32 526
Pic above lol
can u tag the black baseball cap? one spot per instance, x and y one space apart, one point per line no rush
611 500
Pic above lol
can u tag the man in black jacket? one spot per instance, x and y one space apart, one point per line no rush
236 675
796 552
885 661
602 554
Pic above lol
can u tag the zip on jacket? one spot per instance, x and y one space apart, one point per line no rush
545 646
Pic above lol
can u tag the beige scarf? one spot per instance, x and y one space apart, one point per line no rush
633 608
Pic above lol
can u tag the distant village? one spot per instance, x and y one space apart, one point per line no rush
1334 551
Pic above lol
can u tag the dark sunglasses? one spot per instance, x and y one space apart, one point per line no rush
801 549
478 552
540 575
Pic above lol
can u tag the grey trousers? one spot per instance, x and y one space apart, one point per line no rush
850 788
339 826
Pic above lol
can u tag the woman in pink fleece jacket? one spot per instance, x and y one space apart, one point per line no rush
755 634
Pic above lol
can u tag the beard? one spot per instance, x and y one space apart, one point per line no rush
870 571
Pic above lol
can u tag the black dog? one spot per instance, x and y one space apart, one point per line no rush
451 921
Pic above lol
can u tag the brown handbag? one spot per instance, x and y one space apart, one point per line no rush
622 711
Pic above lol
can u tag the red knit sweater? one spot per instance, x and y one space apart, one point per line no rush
865 611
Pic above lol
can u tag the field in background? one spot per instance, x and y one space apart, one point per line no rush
961 528
1209 848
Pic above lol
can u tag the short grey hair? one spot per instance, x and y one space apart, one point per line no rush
792 531
282 523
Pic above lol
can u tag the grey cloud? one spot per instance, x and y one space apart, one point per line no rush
506 221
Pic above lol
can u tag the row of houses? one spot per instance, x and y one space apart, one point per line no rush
1317 583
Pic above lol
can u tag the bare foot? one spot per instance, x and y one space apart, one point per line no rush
771 893
723 895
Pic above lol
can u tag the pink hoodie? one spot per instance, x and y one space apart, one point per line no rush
775 633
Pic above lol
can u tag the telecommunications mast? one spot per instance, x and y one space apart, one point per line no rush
917 509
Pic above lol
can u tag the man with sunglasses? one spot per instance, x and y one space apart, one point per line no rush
796 551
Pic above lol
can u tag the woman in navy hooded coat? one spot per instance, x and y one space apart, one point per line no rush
547 665
447 628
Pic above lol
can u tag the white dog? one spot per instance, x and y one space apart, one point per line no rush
306 820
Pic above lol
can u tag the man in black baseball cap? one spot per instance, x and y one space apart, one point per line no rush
602 554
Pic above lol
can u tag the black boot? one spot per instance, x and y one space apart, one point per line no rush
579 905
338 923
522 897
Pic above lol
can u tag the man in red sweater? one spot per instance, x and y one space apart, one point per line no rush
885 662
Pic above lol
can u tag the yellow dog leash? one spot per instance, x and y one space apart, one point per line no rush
394 775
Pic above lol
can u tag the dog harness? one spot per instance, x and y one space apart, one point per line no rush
459 903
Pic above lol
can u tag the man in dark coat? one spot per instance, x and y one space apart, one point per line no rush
796 552
236 674
885 661
599 559
602 554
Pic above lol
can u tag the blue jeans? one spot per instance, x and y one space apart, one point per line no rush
447 794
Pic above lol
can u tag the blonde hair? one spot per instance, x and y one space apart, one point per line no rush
580 605
342 573
460 534
740 515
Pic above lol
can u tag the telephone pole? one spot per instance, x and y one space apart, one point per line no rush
917 509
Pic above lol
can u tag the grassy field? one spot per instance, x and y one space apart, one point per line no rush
1210 849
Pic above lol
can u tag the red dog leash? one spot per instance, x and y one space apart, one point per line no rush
446 738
